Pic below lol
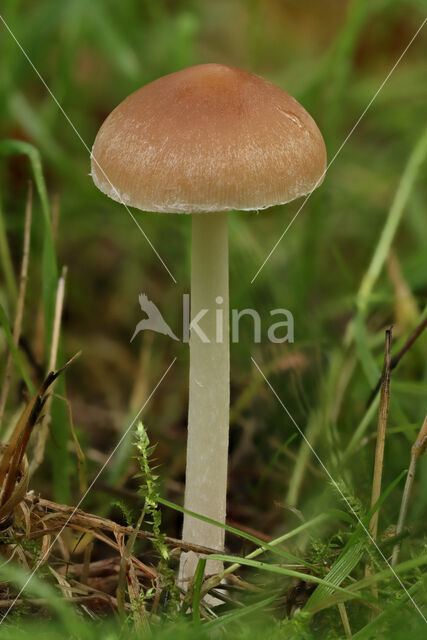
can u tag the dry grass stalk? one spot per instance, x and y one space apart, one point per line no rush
89 594
13 491
86 562
19 313
125 574
14 453
45 518
61 513
381 433
40 444
416 333
14 466
380 446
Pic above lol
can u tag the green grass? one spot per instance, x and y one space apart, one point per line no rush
331 270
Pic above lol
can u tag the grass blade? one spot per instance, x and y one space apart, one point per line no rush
274 568
352 552
381 576
240 613
401 197
197 581
263 546
15 352
6 260
59 455
49 266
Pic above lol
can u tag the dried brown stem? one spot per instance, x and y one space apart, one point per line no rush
17 325
40 444
381 433
61 512
14 452
126 554
399 355
86 562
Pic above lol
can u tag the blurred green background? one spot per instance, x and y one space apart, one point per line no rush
332 56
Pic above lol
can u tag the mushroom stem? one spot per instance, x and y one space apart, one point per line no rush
209 400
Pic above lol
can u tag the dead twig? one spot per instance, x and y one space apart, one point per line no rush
399 355
61 512
148 571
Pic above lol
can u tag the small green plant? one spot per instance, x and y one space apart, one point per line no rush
152 515
149 490
125 512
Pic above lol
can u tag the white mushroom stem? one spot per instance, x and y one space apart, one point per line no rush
209 400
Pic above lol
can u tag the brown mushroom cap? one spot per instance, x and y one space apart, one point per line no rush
208 138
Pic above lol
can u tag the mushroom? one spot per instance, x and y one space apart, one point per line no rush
206 140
